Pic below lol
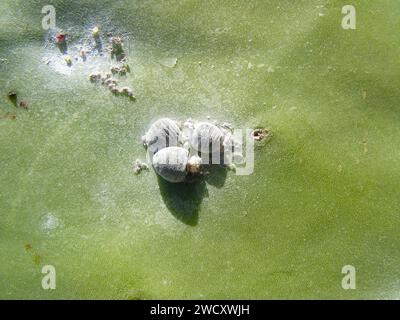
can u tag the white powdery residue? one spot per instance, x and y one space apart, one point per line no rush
169 62
50 222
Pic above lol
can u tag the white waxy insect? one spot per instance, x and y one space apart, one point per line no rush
206 138
188 124
194 164
162 133
171 164
139 166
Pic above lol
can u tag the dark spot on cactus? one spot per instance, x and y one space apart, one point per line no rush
37 259
9 115
12 96
260 134
24 104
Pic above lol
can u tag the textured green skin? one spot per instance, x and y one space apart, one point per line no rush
324 192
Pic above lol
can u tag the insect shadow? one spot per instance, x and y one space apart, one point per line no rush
216 175
183 200
63 47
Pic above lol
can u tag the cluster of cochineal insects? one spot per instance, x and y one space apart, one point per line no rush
116 51
181 151
111 84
